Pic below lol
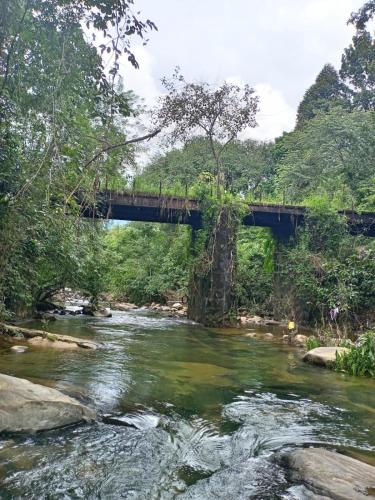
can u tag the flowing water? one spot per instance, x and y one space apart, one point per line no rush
199 413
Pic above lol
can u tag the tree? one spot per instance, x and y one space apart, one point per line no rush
327 91
358 60
115 22
247 166
332 154
360 18
147 262
220 114
62 120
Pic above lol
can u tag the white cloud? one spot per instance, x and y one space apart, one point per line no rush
140 81
275 115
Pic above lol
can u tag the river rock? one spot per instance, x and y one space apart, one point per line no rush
123 306
53 344
268 335
177 305
324 356
268 321
56 341
299 340
332 474
104 312
19 348
28 407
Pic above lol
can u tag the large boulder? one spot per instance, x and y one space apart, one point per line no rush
28 407
324 356
332 474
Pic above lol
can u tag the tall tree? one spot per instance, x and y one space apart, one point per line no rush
332 154
358 60
327 91
219 114
360 18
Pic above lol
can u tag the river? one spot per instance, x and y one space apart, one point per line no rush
207 413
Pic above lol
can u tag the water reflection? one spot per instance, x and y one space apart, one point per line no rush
203 413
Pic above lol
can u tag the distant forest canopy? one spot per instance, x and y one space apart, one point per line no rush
63 122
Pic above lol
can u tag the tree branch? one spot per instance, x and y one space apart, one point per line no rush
109 148
122 144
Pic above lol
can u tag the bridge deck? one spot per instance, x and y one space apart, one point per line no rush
283 219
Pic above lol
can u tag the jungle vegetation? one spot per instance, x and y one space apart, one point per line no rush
62 139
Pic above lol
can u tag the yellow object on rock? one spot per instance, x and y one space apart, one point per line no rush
291 325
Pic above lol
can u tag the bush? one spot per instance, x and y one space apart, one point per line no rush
360 360
312 343
254 273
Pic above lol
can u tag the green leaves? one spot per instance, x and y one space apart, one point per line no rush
331 155
327 92
146 262
360 360
58 110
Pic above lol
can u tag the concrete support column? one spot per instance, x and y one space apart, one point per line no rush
211 284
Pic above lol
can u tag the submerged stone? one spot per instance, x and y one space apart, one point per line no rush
19 348
28 407
140 421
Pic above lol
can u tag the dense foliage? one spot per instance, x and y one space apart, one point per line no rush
326 277
255 267
247 167
59 115
147 262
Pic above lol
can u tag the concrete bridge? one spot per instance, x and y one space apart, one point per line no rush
282 219
211 290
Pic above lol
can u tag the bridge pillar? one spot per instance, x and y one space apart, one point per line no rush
211 284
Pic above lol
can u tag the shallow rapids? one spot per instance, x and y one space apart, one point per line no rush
186 412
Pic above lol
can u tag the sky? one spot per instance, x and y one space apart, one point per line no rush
276 46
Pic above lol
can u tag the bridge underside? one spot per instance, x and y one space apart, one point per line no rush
282 219
210 291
